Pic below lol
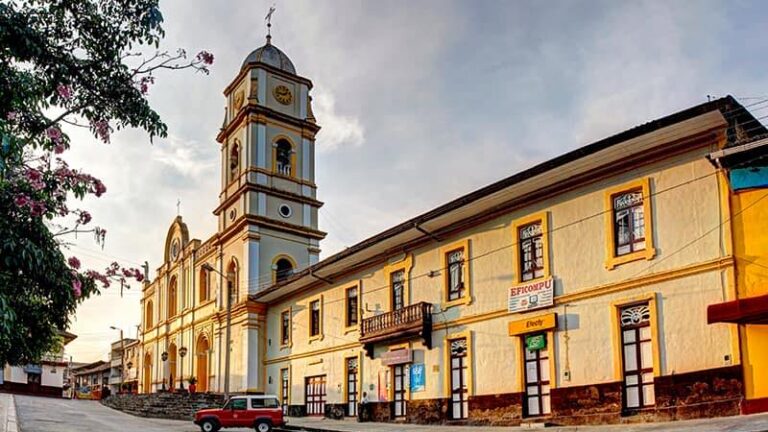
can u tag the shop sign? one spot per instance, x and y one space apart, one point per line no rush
417 377
396 357
533 324
532 295
33 369
535 342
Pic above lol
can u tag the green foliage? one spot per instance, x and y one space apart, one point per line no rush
73 62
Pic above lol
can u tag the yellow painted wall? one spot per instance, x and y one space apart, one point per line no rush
685 215
750 209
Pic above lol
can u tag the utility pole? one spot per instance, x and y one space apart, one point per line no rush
230 282
122 357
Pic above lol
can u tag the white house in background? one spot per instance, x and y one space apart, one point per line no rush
45 378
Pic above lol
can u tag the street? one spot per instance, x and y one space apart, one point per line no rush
39 414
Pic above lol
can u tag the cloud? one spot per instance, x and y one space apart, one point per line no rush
419 102
338 130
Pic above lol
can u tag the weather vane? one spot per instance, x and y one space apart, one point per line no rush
268 18
178 207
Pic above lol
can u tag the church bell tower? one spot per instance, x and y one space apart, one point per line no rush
268 200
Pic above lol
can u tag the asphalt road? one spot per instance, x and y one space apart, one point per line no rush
39 414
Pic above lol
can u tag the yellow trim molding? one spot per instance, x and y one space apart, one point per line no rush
275 139
280 387
320 335
348 328
520 342
290 328
444 251
273 267
406 264
650 298
542 217
611 260
447 362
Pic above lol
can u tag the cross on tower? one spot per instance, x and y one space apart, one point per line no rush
268 18
178 207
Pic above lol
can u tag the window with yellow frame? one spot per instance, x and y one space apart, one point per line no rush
351 308
315 326
285 328
397 275
628 223
284 158
531 251
457 281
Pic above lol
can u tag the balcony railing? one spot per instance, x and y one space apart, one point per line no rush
410 321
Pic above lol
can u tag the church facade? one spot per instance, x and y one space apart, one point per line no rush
577 291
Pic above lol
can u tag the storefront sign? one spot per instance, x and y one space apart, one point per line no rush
396 357
533 295
33 369
417 377
535 342
534 324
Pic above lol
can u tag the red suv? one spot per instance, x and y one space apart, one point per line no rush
259 412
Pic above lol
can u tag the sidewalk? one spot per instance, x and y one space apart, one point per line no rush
750 423
7 413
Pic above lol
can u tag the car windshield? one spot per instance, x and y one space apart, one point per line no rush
265 403
236 404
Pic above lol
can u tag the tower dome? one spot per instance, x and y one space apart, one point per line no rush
270 55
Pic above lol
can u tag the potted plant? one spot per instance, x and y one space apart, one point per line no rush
192 385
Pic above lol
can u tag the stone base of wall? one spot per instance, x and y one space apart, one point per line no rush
496 410
27 389
335 411
708 393
177 406
296 411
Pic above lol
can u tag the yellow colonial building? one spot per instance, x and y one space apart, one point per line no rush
576 291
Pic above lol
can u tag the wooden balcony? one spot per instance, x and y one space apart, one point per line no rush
411 321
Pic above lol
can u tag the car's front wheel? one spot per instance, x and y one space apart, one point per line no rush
263 426
209 425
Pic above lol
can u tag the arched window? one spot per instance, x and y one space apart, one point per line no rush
148 322
204 294
172 298
232 281
283 269
234 161
284 157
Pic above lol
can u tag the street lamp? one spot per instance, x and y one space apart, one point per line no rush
182 353
230 276
122 357
164 358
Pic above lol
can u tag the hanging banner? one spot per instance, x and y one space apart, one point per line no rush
418 381
532 295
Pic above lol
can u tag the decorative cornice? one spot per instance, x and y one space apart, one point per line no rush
264 113
249 186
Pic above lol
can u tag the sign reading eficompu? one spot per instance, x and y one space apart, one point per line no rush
531 295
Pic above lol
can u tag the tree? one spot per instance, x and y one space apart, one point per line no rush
65 63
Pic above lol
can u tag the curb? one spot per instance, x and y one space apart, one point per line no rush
11 424
289 427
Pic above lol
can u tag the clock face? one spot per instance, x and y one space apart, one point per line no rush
282 94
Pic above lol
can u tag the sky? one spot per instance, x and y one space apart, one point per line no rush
419 102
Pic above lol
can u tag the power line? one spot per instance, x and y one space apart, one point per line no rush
429 273
266 280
